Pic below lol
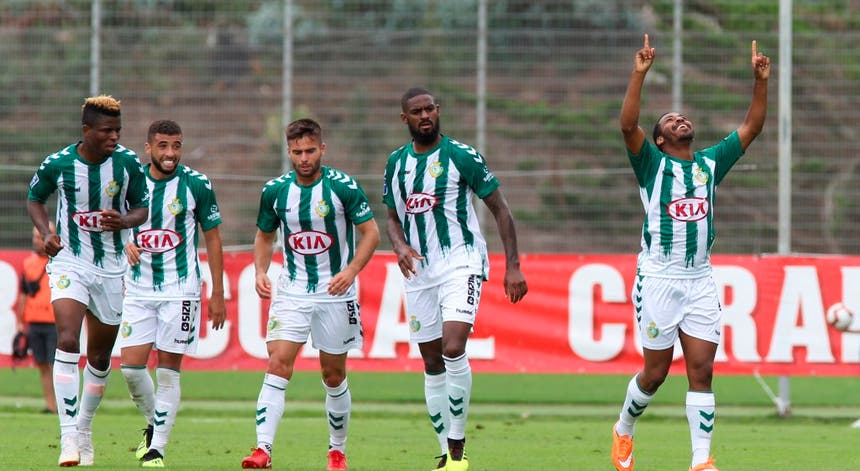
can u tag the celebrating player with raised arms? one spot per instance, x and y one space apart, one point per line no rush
674 294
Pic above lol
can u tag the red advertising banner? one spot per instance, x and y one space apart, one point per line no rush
576 318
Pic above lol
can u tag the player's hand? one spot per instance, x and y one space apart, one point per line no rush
760 64
263 286
132 253
644 57
111 220
53 244
217 310
515 285
406 257
341 282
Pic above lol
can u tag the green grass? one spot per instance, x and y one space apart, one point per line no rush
551 422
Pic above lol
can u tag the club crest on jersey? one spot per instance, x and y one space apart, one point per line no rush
435 169
700 175
89 221
157 240
322 208
63 282
175 207
309 242
272 325
112 188
688 209
418 203
414 324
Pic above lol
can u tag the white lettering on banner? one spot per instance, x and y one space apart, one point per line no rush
739 314
851 298
390 331
215 342
800 297
580 325
8 302
250 311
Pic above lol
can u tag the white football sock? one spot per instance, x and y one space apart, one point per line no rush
338 406
270 408
701 414
167 398
459 390
141 388
95 382
436 397
67 385
635 403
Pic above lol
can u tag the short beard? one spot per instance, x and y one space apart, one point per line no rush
425 139
689 138
161 169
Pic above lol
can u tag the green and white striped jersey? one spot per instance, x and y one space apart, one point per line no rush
317 223
168 267
432 195
678 198
83 191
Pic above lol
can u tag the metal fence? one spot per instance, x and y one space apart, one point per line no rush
551 87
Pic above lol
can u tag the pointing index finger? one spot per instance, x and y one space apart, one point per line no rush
646 41
754 53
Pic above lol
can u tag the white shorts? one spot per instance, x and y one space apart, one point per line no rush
664 305
335 327
173 325
102 295
455 299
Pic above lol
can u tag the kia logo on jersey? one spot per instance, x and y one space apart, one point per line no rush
418 203
158 240
89 221
688 209
309 242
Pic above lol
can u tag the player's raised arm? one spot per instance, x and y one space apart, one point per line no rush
754 121
634 136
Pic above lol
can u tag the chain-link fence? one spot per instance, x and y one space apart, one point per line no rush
555 75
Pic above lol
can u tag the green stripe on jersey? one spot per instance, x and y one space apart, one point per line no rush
69 184
117 201
156 218
692 229
180 227
331 228
418 186
289 257
666 222
442 232
94 180
305 224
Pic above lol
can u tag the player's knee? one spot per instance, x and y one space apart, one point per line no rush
281 369
650 380
434 365
68 343
700 379
333 378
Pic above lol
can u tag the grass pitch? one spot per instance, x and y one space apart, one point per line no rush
550 422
